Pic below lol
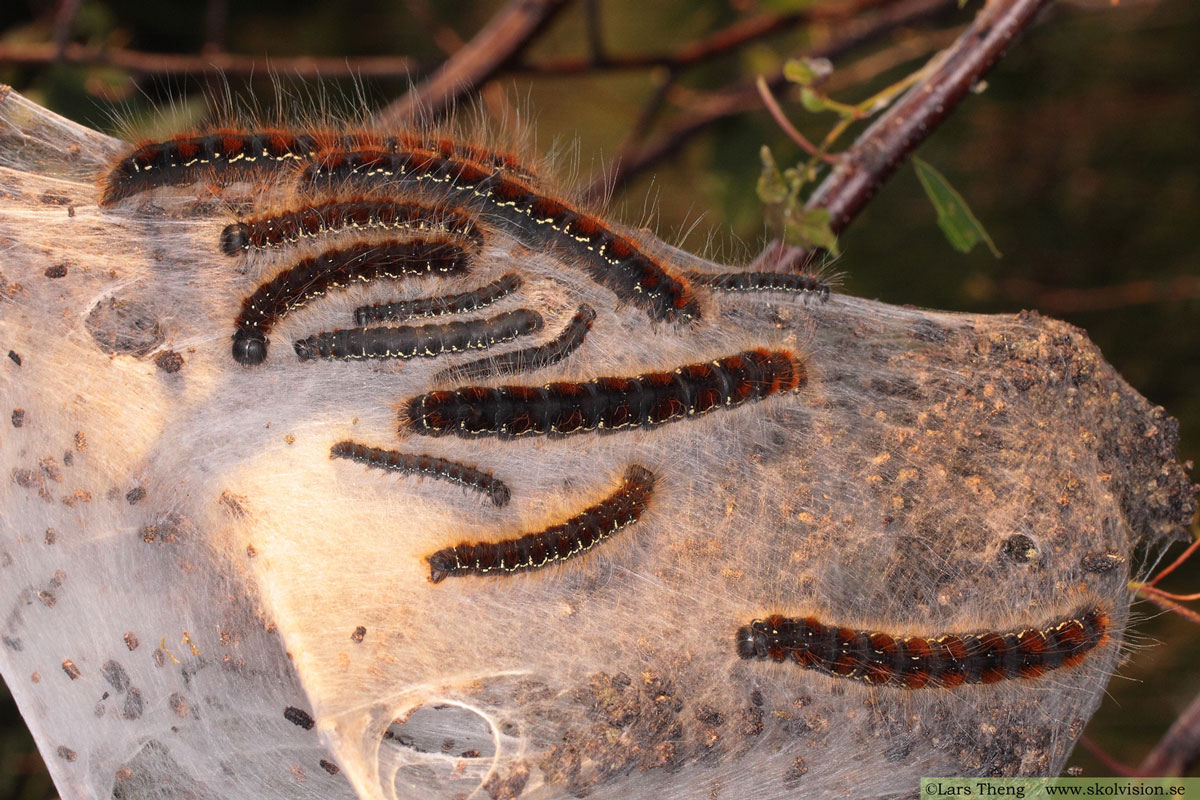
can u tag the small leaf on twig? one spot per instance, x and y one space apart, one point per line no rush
771 187
809 228
812 101
806 71
963 230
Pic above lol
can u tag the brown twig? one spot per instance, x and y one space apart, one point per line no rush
141 64
421 15
216 26
1176 564
646 118
919 45
1170 605
856 32
497 43
1151 591
890 139
64 18
595 33
1178 752
1102 298
772 105
1110 763
707 48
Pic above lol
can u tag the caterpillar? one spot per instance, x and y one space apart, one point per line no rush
915 662
442 468
312 277
612 259
761 282
317 219
577 535
528 359
222 157
412 341
230 155
441 305
606 404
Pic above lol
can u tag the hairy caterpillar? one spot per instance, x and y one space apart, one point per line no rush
612 259
423 464
558 542
440 305
529 359
312 277
427 341
761 282
606 404
914 662
317 219
223 157
230 155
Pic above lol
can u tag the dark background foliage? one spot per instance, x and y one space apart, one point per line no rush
1080 159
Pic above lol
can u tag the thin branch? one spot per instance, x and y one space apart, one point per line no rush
744 97
216 26
1178 752
1102 298
779 256
701 50
595 32
499 41
1148 590
601 188
888 142
919 45
1174 565
421 15
637 159
64 18
1110 763
786 125
646 118
1170 605
142 64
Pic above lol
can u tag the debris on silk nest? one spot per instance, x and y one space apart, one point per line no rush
574 514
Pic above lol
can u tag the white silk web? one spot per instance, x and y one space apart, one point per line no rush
196 600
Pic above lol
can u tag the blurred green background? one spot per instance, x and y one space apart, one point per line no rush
1080 158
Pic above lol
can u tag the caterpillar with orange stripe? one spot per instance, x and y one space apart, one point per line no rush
915 662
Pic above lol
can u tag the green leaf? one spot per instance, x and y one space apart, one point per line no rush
962 229
809 227
812 101
797 71
805 71
771 187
